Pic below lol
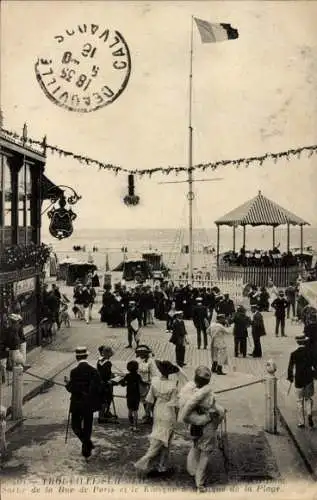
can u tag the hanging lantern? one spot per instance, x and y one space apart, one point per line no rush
131 199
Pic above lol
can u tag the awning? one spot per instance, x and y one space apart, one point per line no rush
308 290
49 189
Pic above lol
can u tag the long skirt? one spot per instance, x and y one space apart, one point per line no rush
156 457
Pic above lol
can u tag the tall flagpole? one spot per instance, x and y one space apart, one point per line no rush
190 159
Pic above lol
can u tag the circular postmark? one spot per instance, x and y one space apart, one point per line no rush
88 68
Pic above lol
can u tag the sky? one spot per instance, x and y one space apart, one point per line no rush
252 95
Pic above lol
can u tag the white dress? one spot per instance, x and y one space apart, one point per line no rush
163 394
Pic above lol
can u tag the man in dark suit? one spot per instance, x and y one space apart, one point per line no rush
179 338
280 306
257 330
200 320
302 361
85 387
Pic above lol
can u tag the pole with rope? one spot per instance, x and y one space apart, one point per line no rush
190 157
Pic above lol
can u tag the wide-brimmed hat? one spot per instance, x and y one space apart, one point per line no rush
166 367
254 306
281 292
81 351
220 316
203 372
142 349
241 308
15 317
178 313
301 339
131 302
199 299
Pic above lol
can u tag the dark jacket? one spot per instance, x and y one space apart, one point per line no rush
280 305
241 323
257 324
86 388
179 332
200 315
302 361
133 314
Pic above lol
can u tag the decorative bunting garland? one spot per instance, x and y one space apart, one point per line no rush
246 162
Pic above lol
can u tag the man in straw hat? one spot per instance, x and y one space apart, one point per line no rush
86 391
199 409
301 361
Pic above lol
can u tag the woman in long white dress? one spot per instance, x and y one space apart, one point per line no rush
163 398
272 291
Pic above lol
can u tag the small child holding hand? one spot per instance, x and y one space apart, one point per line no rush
132 381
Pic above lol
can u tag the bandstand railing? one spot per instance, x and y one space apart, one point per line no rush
259 276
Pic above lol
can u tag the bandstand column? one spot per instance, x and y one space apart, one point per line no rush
273 235
301 239
288 237
234 238
218 242
243 237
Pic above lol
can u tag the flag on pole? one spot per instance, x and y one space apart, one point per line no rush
212 33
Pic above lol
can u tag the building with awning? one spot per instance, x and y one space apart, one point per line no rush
23 187
49 189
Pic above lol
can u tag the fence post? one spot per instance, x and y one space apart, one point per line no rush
271 398
17 390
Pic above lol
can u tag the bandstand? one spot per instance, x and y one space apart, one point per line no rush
260 211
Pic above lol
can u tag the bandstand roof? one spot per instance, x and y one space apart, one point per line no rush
260 211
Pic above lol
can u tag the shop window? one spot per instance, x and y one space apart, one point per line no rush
24 202
6 192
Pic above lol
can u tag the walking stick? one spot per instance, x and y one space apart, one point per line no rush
67 427
290 385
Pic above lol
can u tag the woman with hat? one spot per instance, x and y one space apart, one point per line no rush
147 370
162 396
218 344
199 410
301 361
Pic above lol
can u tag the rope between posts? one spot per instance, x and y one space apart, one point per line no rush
51 380
240 386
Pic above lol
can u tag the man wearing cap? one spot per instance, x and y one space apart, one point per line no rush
200 320
280 305
257 330
179 338
86 391
301 361
133 323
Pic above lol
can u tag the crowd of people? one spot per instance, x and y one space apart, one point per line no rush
262 258
168 397
162 387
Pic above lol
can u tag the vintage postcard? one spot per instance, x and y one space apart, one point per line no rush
158 249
